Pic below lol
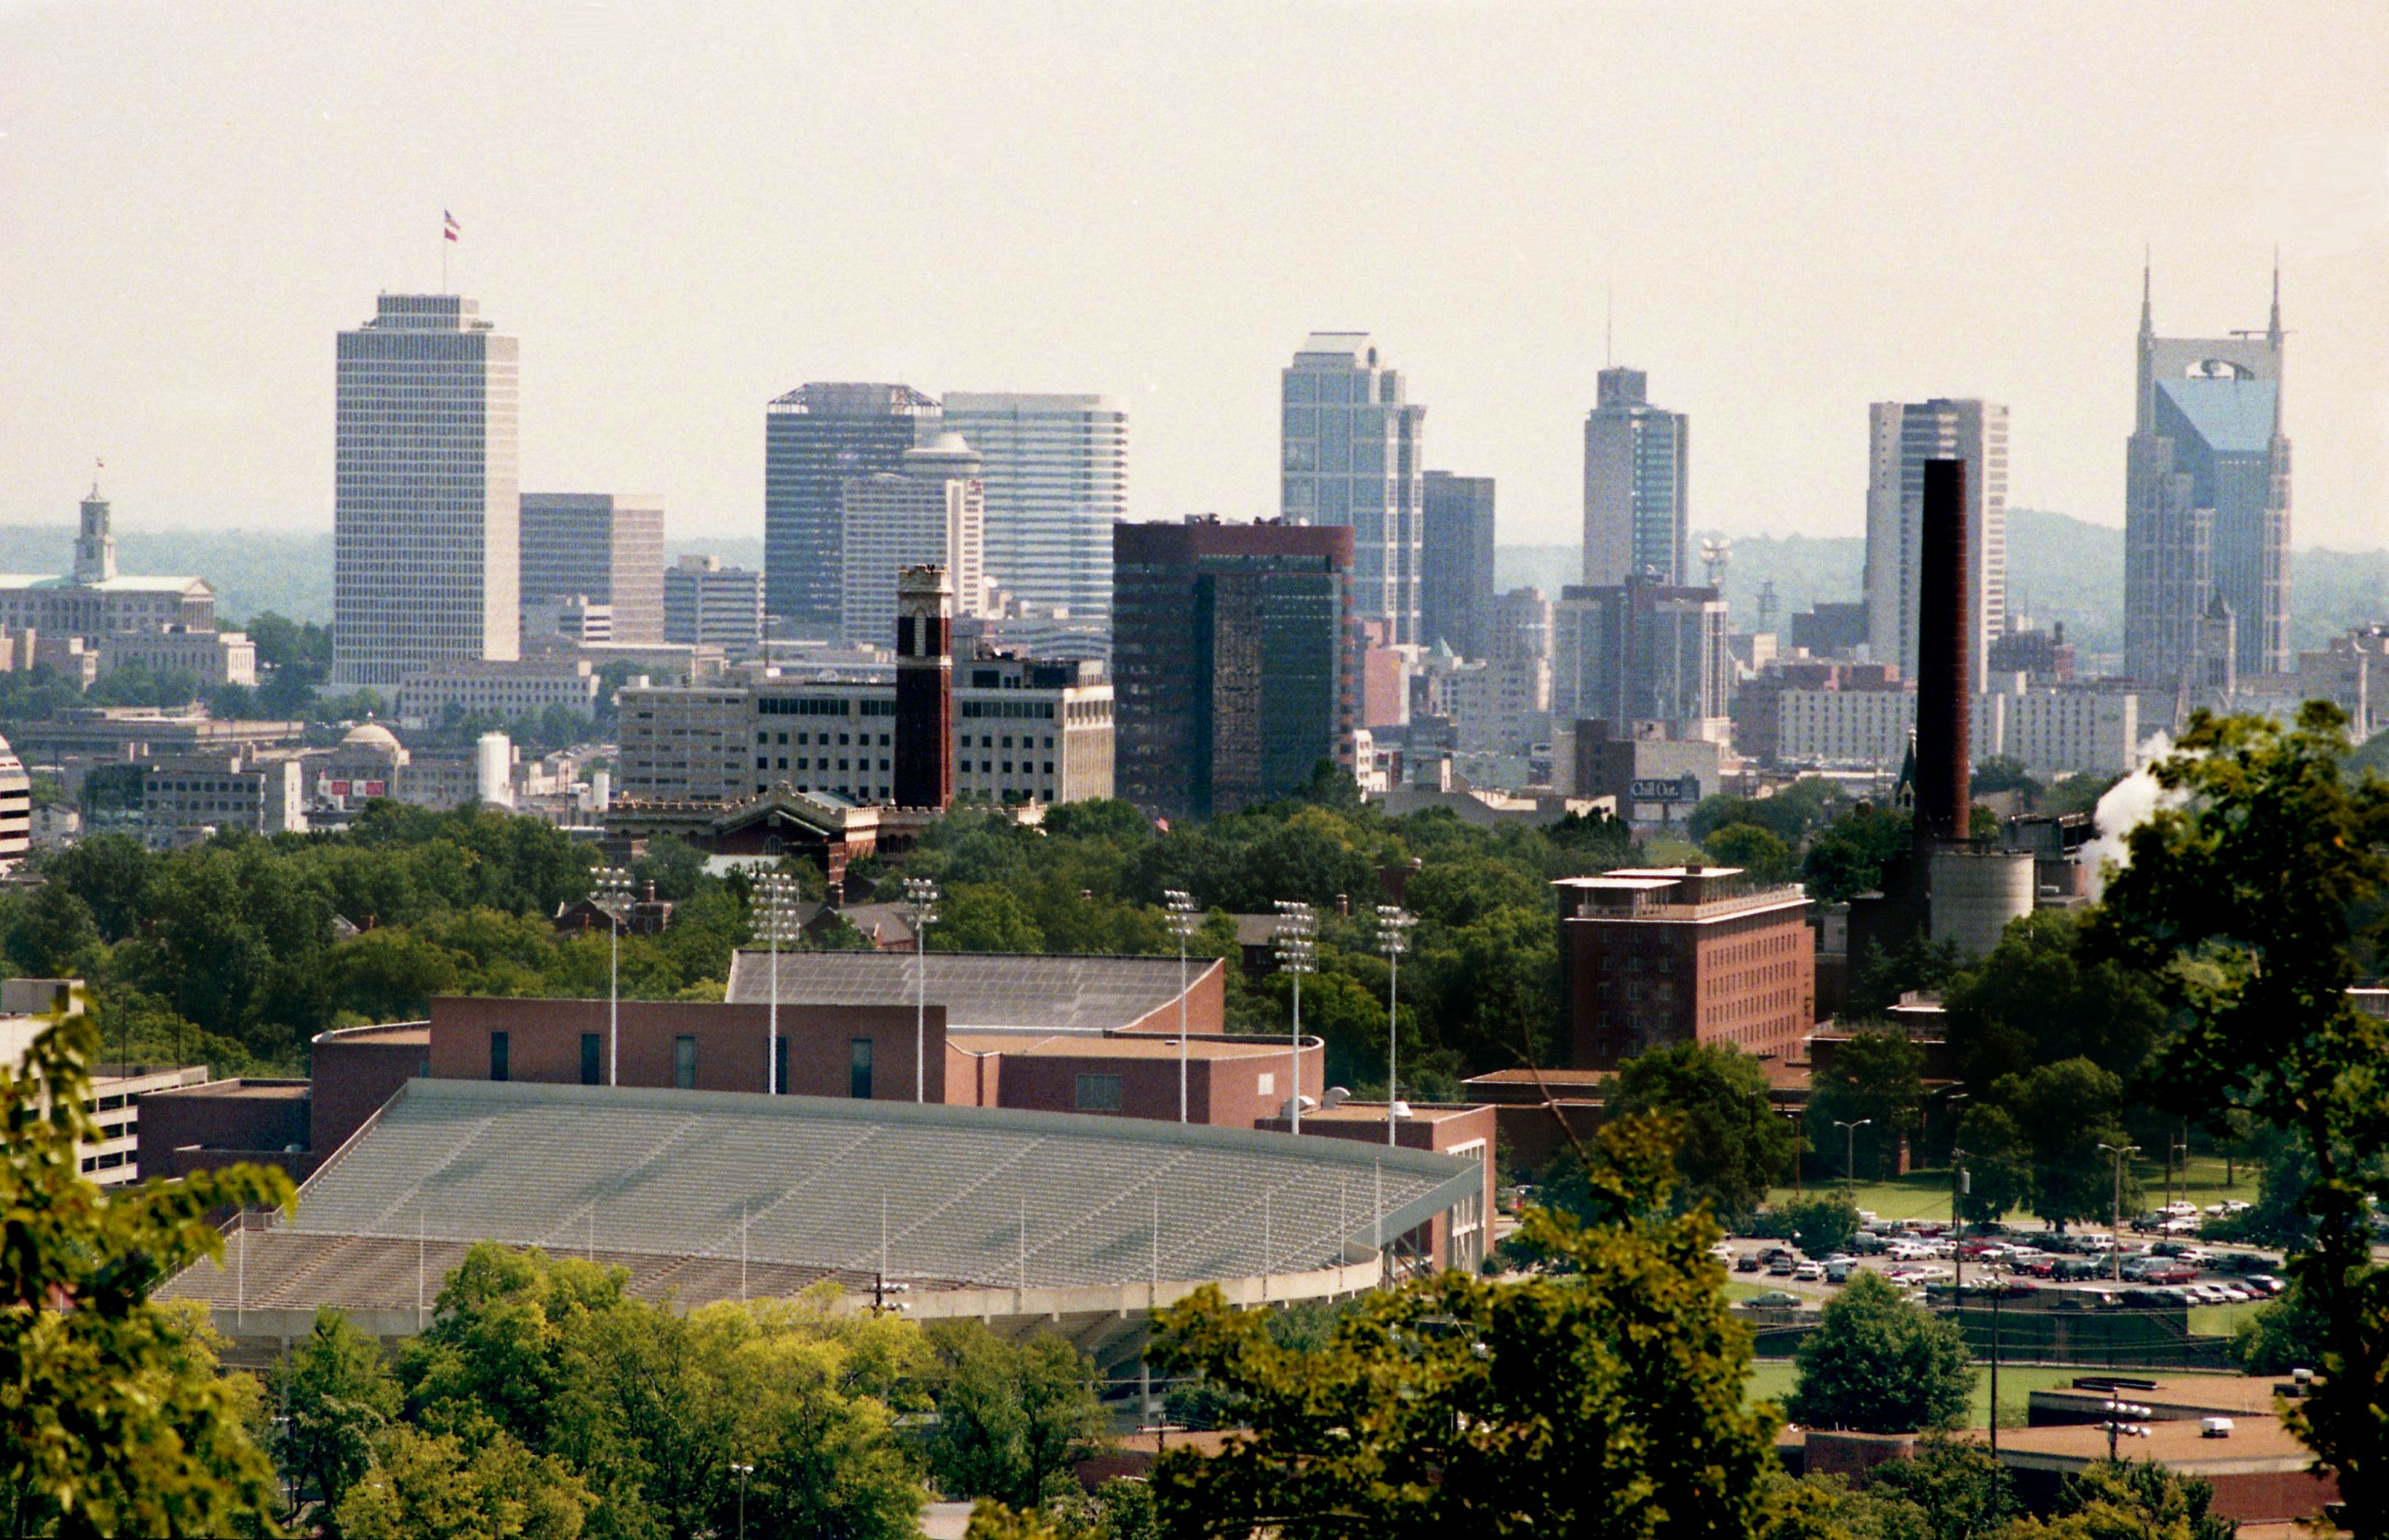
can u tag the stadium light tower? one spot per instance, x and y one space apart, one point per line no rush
921 909
1296 943
1184 920
1394 925
610 890
775 921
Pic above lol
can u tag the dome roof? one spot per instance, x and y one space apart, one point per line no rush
372 735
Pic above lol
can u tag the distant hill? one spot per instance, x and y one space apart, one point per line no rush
253 570
2059 569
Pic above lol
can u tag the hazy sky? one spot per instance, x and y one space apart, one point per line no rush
686 210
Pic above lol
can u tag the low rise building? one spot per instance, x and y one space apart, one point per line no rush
215 658
507 688
183 795
1025 729
1651 956
708 605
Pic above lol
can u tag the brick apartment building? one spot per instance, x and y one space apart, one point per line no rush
1654 955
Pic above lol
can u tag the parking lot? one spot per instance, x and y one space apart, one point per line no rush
2151 1271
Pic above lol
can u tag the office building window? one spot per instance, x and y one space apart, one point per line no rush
1099 1093
592 1060
685 1063
858 1069
497 1055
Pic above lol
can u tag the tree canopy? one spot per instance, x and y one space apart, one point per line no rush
1878 1364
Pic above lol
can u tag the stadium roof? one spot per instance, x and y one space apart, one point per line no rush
680 1186
980 990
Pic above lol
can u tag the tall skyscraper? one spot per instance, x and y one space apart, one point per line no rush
932 511
1456 564
1904 435
814 437
600 546
1637 459
425 505
2207 520
1641 651
1055 471
1352 459
1231 661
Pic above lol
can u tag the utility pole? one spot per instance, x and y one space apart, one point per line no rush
1960 1185
2116 1210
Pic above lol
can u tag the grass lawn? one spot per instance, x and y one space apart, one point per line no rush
1925 1194
2222 1321
1771 1380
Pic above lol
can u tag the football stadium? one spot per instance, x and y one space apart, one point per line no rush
1028 1220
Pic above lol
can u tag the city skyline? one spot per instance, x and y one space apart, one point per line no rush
643 364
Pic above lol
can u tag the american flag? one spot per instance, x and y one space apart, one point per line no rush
452 228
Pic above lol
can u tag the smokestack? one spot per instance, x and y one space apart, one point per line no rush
1945 675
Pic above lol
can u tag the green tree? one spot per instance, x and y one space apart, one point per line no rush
1875 1076
980 917
2288 1333
337 1398
1878 1364
2004 772
481 1485
1731 1145
1761 853
1998 1161
2257 903
1954 1487
1878 979
1604 1399
2130 1500
1845 859
115 1420
2066 1110
1824 1222
1012 1418
2041 995
53 936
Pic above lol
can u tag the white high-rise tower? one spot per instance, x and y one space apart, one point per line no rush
424 505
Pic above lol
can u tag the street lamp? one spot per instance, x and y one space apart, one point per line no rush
1955 1096
1958 1186
612 883
2116 1212
1393 939
742 1472
1296 943
921 910
1183 919
774 921
1850 1150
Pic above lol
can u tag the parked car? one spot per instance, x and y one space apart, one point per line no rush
1839 1272
1809 1272
1774 1299
1748 1263
2265 1284
1780 1266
